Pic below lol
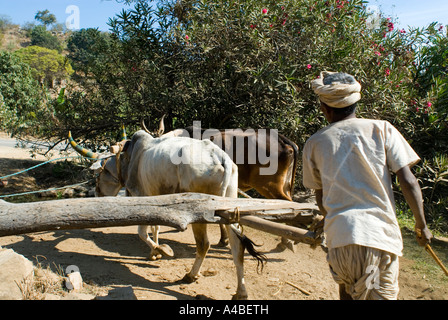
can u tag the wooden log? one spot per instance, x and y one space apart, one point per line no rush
174 210
289 232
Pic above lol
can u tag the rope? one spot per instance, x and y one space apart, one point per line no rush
41 164
39 191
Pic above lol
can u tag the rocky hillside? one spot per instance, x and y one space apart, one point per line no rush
15 37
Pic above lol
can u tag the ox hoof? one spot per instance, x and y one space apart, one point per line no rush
189 278
237 296
290 245
165 250
155 256
223 242
286 244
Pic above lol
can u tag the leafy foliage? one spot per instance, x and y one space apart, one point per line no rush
43 38
45 17
20 95
46 65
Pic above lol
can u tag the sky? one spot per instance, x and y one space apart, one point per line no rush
91 13
414 13
95 13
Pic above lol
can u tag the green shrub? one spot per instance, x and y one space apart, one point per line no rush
20 95
43 38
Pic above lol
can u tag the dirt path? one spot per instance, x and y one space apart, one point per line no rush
114 257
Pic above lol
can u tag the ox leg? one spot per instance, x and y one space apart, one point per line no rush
202 246
156 250
237 250
155 233
143 234
224 241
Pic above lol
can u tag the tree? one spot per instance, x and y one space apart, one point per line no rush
85 49
20 95
241 63
43 38
45 17
46 65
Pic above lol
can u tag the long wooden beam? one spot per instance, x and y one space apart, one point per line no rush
174 210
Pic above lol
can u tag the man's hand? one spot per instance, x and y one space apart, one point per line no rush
424 236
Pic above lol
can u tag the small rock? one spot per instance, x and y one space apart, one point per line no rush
49 194
81 189
78 296
210 272
14 268
68 193
73 281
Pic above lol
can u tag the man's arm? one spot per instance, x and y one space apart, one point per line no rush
413 195
319 196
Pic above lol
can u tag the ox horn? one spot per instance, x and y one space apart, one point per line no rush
118 147
159 132
123 135
82 151
142 122
161 126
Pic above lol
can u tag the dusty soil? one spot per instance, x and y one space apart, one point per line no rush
115 257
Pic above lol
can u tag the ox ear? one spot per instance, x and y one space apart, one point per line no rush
97 165
119 147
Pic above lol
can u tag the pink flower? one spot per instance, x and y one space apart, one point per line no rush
308 66
390 25
187 37
265 11
429 104
377 53
387 72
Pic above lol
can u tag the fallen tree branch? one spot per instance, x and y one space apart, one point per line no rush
174 210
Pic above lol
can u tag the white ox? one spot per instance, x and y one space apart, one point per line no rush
148 166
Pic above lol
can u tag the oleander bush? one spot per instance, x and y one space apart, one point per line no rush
249 63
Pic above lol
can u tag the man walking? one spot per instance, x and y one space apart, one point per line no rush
348 164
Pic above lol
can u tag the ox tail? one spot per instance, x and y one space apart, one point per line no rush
249 245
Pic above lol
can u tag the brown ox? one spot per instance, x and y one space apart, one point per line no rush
266 160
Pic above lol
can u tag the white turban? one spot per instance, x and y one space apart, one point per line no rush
337 89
